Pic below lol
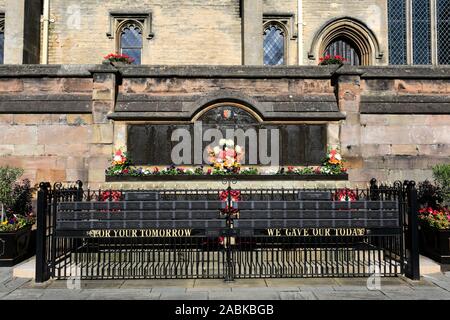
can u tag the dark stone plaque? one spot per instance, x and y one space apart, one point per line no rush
150 144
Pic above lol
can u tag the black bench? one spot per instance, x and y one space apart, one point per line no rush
151 210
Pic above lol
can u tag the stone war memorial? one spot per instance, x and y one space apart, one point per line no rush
224 139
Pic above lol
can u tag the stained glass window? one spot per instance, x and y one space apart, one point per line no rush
443 28
344 48
397 31
131 42
421 20
274 45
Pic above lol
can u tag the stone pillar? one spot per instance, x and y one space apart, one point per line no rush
252 32
14 31
102 136
349 99
22 31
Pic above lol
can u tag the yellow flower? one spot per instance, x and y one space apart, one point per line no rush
4 223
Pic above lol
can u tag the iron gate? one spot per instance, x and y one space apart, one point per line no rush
226 234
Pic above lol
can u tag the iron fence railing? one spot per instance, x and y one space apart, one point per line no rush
230 254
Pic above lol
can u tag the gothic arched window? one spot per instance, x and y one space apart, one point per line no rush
274 45
346 49
130 41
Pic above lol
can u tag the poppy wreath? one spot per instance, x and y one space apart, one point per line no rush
110 196
345 195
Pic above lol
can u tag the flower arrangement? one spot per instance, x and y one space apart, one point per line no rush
114 57
120 164
436 218
235 195
345 195
333 163
110 196
225 158
15 222
328 59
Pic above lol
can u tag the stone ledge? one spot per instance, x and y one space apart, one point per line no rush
36 70
305 177
215 71
158 115
406 72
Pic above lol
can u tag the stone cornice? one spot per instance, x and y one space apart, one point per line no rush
252 72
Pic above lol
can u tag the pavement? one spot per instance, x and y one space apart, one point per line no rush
431 287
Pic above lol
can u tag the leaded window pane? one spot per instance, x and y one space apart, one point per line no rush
133 53
344 48
443 31
131 42
274 46
421 32
397 31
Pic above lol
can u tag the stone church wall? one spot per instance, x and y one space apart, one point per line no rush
61 123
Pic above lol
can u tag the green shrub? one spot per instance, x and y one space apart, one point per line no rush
441 174
8 177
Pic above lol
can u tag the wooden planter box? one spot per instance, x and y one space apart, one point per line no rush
240 177
14 246
435 243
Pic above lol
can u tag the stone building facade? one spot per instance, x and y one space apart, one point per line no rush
61 121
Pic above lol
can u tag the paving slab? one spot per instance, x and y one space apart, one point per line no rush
129 284
439 280
23 294
13 284
431 294
212 283
288 282
316 288
212 289
88 284
243 296
122 294
185 296
64 294
351 295
351 288
308 295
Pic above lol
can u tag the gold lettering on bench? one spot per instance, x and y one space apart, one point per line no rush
139 233
316 232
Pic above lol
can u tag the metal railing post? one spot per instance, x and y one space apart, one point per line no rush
413 228
41 271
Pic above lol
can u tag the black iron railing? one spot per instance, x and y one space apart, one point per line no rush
227 239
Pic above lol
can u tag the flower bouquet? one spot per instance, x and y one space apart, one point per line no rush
345 195
225 158
332 164
120 164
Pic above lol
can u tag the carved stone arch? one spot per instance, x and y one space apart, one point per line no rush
352 29
220 98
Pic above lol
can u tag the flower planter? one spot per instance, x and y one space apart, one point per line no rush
14 246
255 177
435 243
